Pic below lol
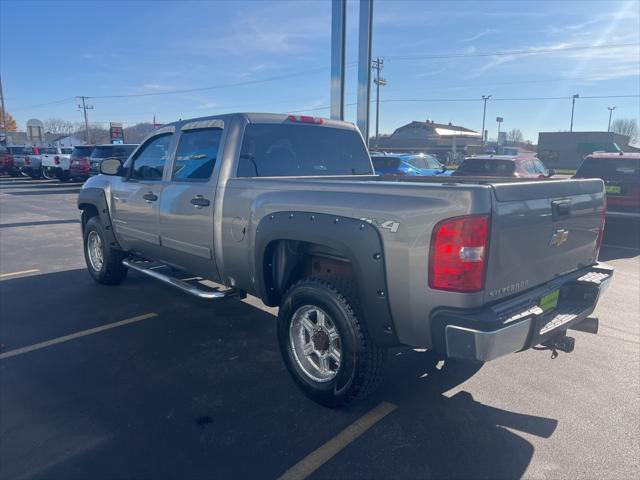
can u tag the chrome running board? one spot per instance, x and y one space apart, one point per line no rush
152 269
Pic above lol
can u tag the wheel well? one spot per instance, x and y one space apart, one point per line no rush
88 211
287 261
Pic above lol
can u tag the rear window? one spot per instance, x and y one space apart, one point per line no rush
79 152
385 163
279 150
49 151
609 167
16 150
486 167
109 151
66 151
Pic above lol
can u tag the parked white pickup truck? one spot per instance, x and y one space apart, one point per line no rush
56 162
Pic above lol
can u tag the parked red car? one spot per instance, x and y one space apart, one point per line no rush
503 166
621 175
79 162
6 159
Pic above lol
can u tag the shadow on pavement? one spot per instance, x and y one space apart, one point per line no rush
201 392
622 234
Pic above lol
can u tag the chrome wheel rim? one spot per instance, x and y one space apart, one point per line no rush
315 343
95 250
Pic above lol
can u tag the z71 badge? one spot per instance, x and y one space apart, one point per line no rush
559 237
382 223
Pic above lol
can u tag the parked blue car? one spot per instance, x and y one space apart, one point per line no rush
408 165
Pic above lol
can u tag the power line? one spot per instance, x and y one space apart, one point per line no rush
509 52
402 100
54 102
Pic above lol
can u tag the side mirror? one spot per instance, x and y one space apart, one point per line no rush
110 166
551 172
444 168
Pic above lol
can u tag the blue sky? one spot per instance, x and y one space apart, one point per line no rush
52 51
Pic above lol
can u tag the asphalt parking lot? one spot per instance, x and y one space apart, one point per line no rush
182 388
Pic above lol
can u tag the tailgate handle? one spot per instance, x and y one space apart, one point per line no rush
560 208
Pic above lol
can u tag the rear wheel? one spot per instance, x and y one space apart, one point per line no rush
324 345
103 261
48 174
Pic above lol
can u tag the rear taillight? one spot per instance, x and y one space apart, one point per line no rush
56 160
601 231
458 254
27 161
304 119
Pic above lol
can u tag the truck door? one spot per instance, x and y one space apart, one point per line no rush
136 199
187 204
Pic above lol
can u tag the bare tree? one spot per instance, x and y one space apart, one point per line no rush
137 132
515 135
626 126
58 125
97 133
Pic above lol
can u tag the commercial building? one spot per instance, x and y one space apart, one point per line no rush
568 149
437 138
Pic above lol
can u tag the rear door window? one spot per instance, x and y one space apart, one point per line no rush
278 150
197 154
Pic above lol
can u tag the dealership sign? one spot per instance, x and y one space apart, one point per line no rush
116 133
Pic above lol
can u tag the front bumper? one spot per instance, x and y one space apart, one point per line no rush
519 323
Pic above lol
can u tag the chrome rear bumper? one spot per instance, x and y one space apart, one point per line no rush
523 328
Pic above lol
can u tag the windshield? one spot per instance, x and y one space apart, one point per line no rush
481 167
609 168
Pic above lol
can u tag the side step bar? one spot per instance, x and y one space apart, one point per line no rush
151 269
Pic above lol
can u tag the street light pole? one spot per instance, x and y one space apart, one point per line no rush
573 106
611 109
484 114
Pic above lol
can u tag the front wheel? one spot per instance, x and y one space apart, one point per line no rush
103 262
325 345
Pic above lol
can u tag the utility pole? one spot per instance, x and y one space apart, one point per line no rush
84 109
611 109
573 106
377 65
4 112
484 114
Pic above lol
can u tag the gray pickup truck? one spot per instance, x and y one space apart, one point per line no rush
289 209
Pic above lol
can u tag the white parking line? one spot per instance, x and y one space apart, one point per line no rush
322 455
83 333
23 272
608 245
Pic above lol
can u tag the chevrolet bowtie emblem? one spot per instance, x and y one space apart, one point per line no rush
559 237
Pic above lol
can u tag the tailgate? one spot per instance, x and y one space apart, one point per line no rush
541 230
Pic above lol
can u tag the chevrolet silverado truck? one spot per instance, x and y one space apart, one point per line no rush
288 209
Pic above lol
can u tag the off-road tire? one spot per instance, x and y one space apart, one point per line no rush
362 366
112 271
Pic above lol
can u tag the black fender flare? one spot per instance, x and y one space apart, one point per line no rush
96 198
357 240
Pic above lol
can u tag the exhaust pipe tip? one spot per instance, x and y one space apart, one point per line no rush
588 325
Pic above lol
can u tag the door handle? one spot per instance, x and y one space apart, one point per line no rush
150 197
560 208
199 201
